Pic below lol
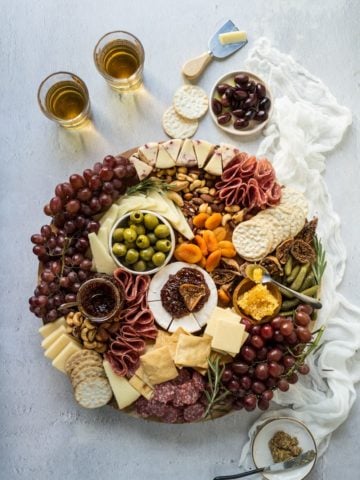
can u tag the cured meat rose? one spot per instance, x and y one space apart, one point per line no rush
249 183
137 324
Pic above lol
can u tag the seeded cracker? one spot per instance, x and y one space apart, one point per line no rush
94 392
176 126
190 102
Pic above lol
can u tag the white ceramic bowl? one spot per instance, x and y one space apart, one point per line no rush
121 222
254 127
261 452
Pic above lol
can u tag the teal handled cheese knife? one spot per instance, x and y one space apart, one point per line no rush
193 68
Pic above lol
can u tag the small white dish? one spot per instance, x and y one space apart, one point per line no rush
261 452
121 222
254 127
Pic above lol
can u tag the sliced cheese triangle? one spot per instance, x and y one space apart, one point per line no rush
187 157
112 214
163 158
143 169
214 166
48 328
203 150
103 261
123 392
227 152
148 153
173 147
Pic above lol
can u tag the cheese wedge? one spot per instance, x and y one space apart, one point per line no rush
228 336
48 328
173 147
218 314
203 150
148 153
163 158
123 392
143 170
112 214
104 232
232 37
214 166
60 360
50 339
103 262
187 157
227 152
59 345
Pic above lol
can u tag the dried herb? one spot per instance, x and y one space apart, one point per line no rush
216 392
320 261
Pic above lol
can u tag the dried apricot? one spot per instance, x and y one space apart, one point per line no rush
200 242
200 219
213 221
210 239
220 233
223 296
188 252
202 262
227 249
213 260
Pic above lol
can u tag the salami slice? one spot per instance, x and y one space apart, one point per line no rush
164 392
172 414
194 412
198 381
186 394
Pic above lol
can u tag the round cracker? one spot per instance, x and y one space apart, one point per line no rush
93 392
78 357
176 126
272 224
297 220
88 372
289 196
78 368
191 101
252 240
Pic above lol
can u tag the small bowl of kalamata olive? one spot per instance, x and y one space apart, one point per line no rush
241 103
142 242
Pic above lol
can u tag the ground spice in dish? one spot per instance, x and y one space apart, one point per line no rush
284 447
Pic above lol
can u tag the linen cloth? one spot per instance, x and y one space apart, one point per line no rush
307 122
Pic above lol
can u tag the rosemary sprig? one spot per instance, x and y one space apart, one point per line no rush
216 392
320 262
148 185
312 346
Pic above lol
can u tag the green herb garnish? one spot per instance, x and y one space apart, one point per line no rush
320 262
216 392
151 184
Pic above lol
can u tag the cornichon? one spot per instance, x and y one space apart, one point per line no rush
293 274
312 291
288 304
288 266
285 293
288 313
299 279
309 280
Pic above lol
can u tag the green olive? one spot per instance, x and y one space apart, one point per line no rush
152 237
158 258
150 221
163 245
118 234
162 231
130 235
142 241
140 266
139 228
119 249
132 256
130 245
150 266
136 216
146 254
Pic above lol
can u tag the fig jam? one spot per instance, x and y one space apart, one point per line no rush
99 299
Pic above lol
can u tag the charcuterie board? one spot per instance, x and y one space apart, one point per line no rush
152 282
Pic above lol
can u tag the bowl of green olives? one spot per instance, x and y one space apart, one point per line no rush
142 242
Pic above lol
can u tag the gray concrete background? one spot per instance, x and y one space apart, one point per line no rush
43 433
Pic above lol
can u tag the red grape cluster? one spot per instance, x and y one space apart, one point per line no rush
62 246
268 359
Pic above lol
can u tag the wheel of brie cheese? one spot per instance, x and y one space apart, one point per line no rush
176 349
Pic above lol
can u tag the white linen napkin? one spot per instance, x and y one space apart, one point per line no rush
307 122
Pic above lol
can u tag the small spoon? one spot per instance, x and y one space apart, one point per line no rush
266 278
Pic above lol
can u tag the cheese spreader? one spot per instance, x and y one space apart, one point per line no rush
193 68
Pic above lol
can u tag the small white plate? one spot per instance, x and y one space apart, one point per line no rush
254 127
261 452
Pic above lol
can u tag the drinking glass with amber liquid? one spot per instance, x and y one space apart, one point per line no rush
64 98
119 57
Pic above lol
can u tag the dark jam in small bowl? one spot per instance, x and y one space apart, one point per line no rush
99 299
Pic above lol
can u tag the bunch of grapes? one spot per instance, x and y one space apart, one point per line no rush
62 250
269 359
